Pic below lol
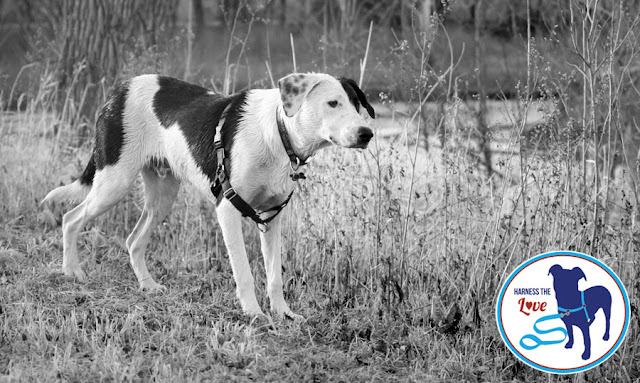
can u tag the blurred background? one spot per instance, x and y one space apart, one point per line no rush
208 40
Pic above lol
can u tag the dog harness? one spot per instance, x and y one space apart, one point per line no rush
221 187
562 313
583 307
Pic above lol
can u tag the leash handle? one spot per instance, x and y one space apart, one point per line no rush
539 342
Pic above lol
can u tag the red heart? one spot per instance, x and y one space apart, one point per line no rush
529 305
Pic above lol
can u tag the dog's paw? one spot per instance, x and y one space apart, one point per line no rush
262 321
586 355
568 345
294 317
151 286
283 311
75 272
606 336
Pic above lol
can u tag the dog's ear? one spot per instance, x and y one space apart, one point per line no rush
555 269
578 273
294 88
356 96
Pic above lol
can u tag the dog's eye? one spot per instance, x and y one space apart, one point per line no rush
333 103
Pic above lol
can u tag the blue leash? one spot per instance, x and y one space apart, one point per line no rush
562 312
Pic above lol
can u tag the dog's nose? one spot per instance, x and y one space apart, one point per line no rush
364 135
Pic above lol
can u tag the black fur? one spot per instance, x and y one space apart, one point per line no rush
356 96
198 112
231 122
109 133
89 171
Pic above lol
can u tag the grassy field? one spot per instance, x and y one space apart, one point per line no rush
394 255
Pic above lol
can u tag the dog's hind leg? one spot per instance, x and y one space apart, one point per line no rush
230 221
110 185
271 242
598 297
606 308
160 192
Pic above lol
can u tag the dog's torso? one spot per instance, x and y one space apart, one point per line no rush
171 122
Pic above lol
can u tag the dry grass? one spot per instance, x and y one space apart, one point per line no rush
379 250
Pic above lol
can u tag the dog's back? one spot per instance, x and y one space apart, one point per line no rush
153 121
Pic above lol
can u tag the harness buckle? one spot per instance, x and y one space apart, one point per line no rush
295 166
230 193
262 227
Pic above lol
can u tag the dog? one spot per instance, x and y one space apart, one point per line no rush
242 152
578 308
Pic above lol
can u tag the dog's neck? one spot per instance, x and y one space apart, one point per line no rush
301 145
266 107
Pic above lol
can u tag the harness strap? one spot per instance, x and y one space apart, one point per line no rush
581 308
584 306
221 187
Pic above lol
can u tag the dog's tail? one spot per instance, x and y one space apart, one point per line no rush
76 191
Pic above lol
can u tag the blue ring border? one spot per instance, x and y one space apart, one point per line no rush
579 255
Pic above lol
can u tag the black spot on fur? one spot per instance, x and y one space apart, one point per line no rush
89 171
356 96
198 113
295 90
109 131
231 122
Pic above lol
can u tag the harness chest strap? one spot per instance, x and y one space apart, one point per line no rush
581 308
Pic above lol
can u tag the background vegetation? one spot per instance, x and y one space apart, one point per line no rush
506 129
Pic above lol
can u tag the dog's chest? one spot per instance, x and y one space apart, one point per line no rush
265 186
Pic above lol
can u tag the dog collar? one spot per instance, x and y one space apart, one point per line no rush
294 160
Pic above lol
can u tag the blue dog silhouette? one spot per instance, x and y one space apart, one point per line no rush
578 308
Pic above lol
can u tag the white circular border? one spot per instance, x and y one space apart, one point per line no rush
573 370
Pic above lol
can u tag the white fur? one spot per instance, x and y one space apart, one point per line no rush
260 174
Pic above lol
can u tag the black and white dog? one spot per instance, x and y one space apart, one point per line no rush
242 152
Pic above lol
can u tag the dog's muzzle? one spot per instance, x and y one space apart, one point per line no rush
364 135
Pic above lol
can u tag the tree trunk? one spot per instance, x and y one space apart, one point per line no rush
482 96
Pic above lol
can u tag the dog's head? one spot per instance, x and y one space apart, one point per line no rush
564 279
327 109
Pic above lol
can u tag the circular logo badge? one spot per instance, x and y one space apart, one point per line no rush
563 312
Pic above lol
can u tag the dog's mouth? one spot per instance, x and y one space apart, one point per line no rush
360 144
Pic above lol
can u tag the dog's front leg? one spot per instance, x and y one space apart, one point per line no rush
587 340
230 221
271 242
569 328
